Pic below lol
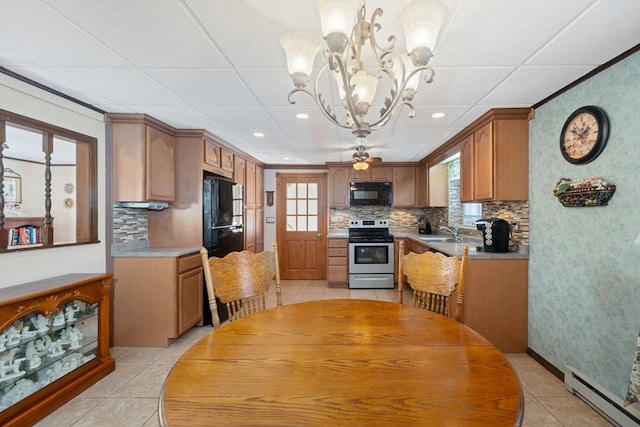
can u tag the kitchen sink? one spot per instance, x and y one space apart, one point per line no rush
442 239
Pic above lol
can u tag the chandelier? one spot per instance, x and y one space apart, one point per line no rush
346 33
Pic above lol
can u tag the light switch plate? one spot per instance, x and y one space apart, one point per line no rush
271 220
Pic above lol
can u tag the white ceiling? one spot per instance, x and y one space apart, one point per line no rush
217 64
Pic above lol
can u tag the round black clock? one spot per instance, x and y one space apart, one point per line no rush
584 134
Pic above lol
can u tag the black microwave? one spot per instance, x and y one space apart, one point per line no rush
370 194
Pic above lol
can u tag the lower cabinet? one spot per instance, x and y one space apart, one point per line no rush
495 299
155 299
338 262
54 344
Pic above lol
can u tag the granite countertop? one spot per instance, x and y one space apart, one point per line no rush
449 248
143 250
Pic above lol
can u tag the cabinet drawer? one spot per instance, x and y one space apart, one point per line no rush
338 243
338 252
338 261
338 274
188 262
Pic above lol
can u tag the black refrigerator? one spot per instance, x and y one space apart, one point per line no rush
222 226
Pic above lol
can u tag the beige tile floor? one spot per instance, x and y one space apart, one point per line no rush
129 396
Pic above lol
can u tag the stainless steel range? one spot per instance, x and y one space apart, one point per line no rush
370 254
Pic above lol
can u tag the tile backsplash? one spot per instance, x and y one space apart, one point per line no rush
130 225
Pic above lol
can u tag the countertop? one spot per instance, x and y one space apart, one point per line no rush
449 248
143 250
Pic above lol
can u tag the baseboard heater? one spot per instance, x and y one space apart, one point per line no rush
600 399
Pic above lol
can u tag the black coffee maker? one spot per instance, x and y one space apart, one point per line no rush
496 233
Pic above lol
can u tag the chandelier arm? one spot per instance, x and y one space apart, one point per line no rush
336 61
379 52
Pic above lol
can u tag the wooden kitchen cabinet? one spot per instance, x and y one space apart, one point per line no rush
239 170
381 173
359 175
338 261
494 163
61 347
143 158
422 185
217 159
339 186
155 299
404 187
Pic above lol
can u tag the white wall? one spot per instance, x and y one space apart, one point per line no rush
20 267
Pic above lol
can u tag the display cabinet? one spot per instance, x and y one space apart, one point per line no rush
54 343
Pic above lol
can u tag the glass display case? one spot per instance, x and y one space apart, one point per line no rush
53 343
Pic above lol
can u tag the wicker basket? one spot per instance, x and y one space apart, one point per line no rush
587 197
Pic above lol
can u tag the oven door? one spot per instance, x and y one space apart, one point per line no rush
371 258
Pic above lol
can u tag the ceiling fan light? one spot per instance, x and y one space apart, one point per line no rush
301 50
421 21
361 166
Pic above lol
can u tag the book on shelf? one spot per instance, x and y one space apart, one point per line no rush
25 235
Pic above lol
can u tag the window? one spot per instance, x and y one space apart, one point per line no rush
462 215
302 207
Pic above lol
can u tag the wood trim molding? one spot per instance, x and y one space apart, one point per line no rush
546 364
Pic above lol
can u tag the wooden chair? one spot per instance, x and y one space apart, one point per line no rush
241 281
433 277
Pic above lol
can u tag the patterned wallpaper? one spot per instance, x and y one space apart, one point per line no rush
584 269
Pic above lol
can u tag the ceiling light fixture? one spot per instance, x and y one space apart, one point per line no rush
258 134
438 115
346 32
302 116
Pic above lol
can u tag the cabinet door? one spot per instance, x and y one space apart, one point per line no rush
483 162
466 169
226 159
189 298
211 153
239 165
250 184
338 261
338 187
439 185
259 227
160 176
422 184
381 173
404 186
360 175
259 193
250 229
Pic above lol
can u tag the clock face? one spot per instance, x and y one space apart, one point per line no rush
584 135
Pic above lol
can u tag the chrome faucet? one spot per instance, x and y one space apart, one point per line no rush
454 232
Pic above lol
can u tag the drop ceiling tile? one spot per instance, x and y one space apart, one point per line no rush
38 34
528 85
502 32
205 87
146 33
180 117
275 92
121 85
586 41
252 118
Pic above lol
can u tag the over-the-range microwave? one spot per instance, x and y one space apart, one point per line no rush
370 194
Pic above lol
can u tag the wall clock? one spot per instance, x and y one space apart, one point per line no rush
584 134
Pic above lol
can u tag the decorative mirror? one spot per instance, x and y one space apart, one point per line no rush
39 165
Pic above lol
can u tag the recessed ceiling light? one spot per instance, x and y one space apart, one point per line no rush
285 158
302 115
437 115
258 134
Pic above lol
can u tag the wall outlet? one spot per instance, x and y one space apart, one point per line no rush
334 219
271 220
515 226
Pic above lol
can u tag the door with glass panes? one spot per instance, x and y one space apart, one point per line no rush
301 225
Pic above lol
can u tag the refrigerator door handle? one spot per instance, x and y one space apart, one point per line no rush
222 227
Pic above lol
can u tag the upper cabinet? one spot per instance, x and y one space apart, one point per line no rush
422 184
143 159
439 185
217 159
339 186
494 156
404 187
381 173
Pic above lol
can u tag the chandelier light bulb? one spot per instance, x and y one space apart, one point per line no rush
338 16
365 86
301 50
421 21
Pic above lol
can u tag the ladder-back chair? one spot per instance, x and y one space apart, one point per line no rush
433 277
241 281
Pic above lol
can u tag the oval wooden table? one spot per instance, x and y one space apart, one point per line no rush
342 362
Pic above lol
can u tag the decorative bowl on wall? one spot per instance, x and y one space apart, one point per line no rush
583 192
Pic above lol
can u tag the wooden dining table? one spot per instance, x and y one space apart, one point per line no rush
342 362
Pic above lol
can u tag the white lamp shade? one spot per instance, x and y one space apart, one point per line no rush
422 21
365 86
301 50
408 68
338 16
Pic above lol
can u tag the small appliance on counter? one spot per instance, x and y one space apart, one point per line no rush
423 225
496 234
